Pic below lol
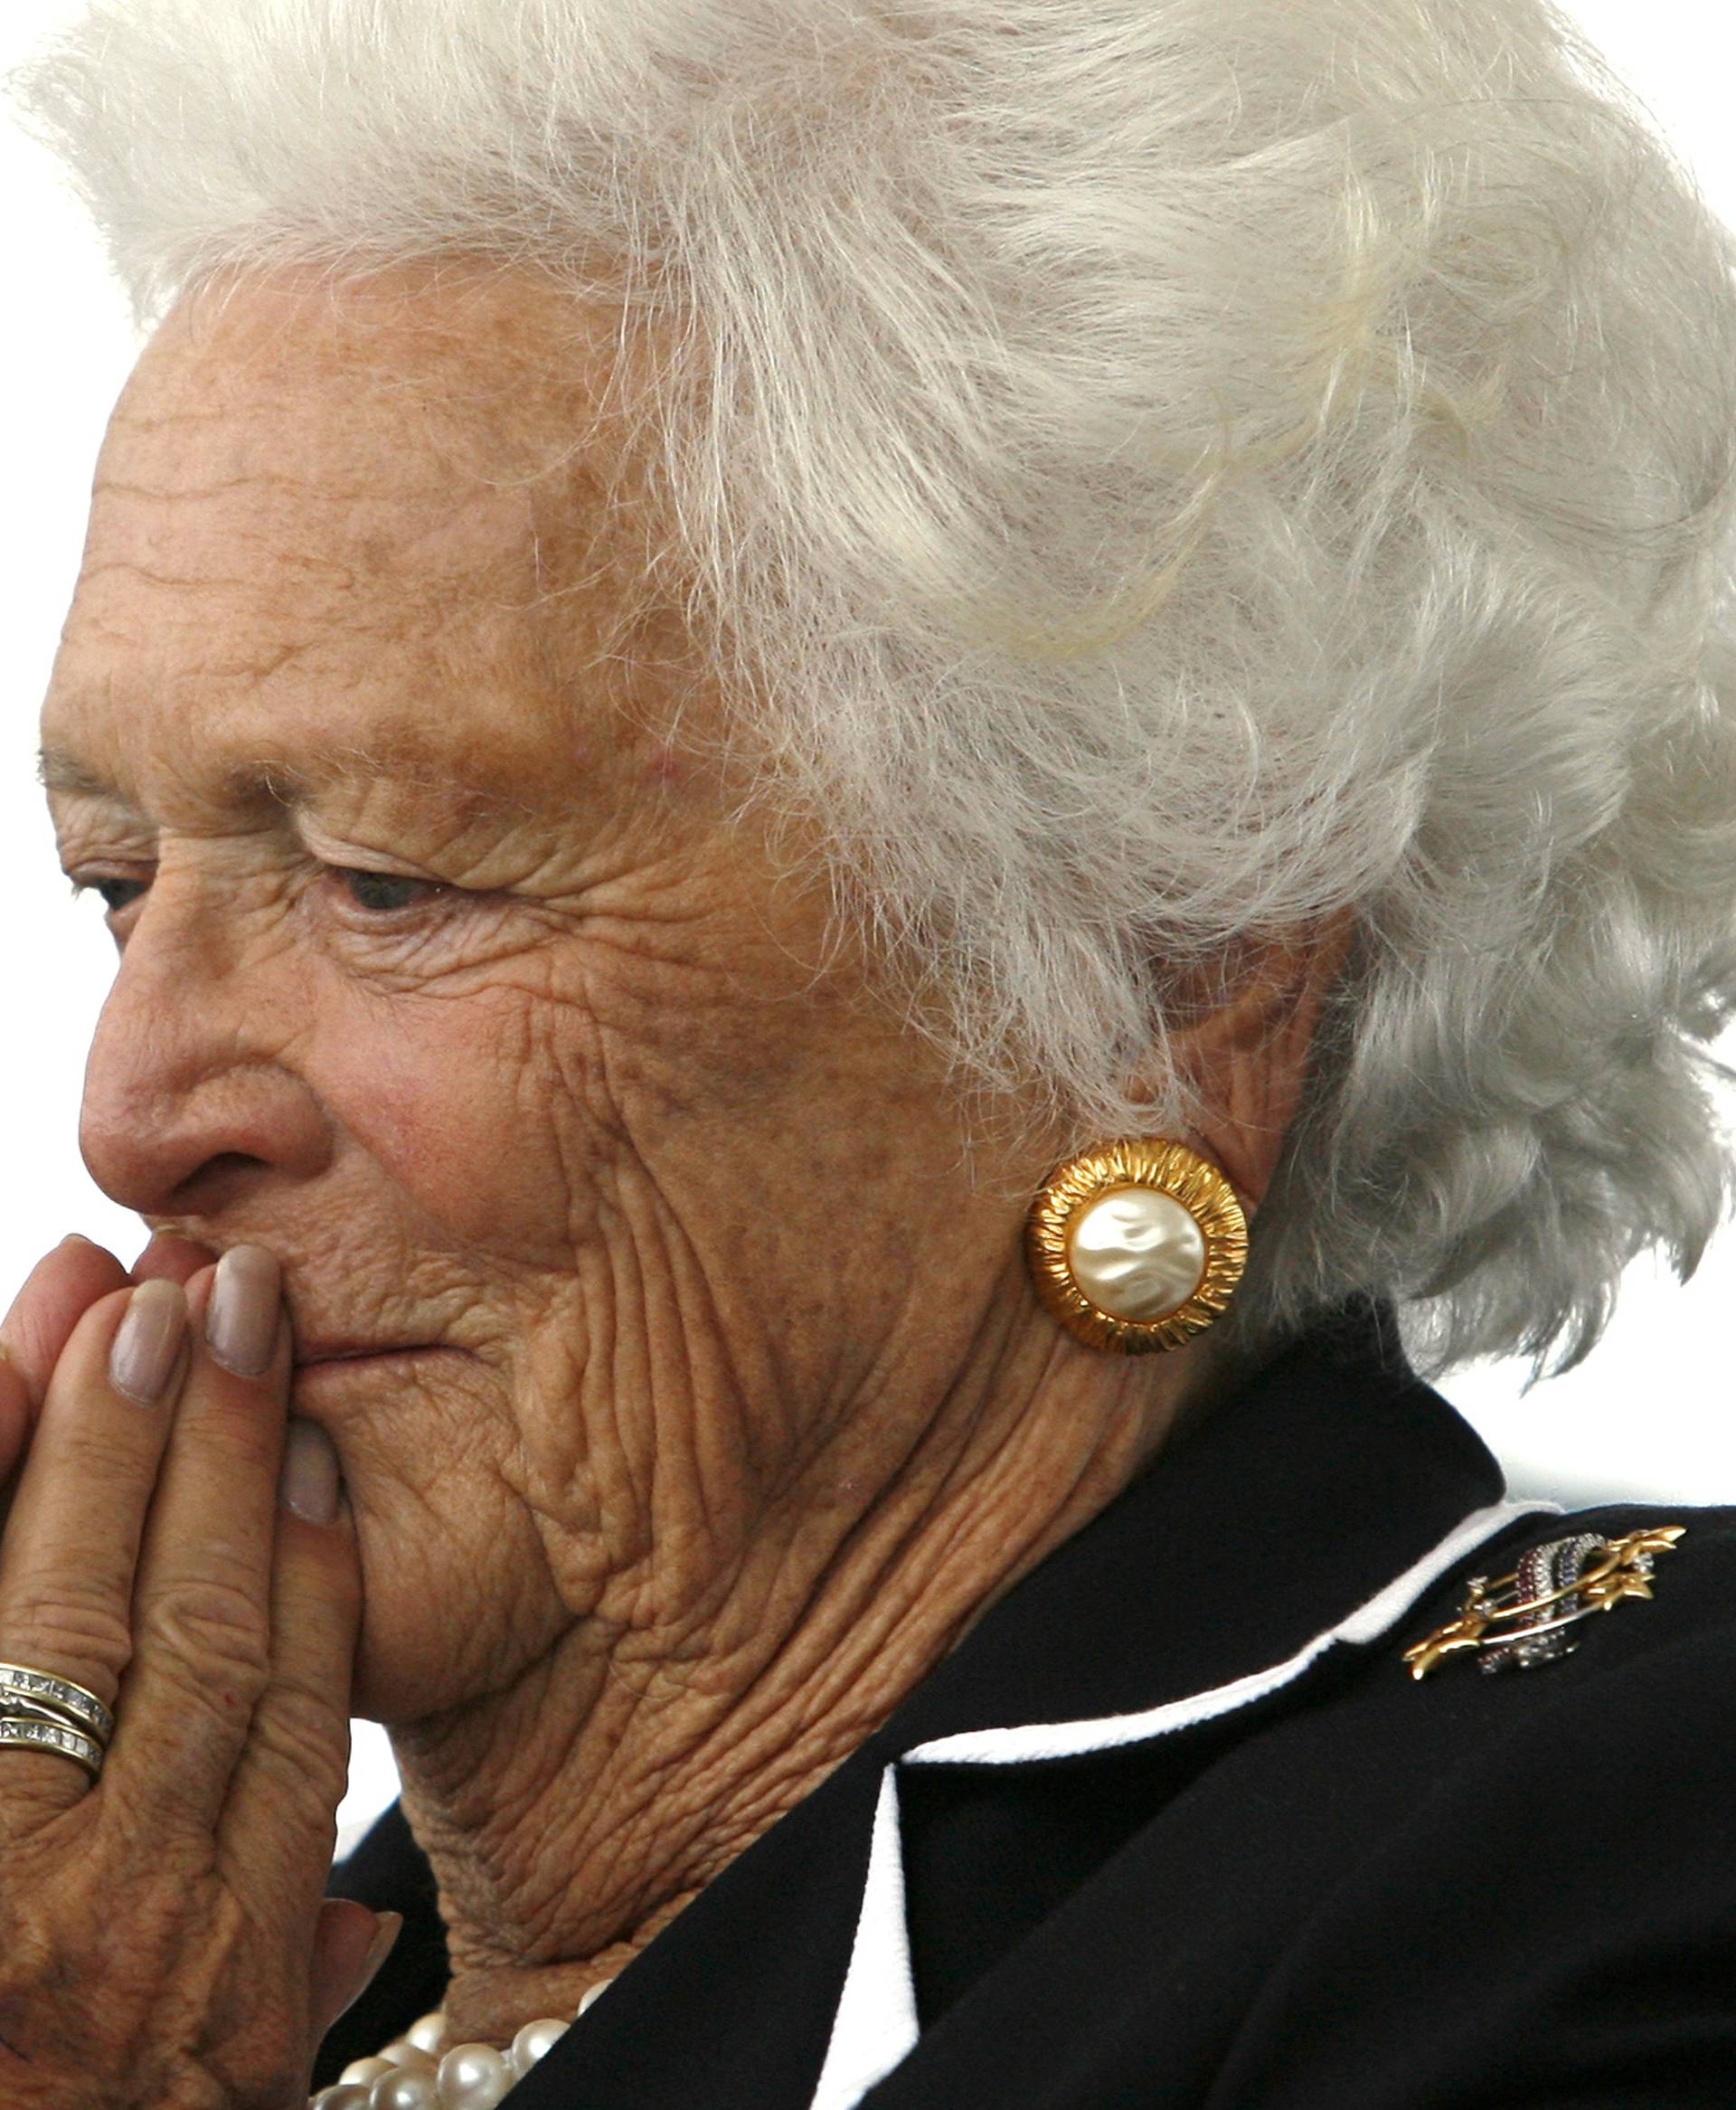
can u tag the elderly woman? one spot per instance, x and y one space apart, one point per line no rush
860 771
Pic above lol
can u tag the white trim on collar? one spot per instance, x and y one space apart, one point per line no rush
876 2010
875 2022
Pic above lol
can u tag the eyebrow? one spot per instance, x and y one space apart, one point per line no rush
60 771
56 770
278 782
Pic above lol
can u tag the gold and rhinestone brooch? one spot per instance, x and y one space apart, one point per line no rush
1523 1619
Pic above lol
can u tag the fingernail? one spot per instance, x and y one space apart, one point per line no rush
148 1341
75 1238
242 1324
391 1924
308 1482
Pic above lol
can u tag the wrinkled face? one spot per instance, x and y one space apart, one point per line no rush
444 973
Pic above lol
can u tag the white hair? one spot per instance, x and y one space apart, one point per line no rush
1168 471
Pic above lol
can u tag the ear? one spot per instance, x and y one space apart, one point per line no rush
1247 1048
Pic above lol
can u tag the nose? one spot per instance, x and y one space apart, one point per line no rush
192 1096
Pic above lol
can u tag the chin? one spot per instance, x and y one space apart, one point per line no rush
406 1662
401 1678
430 1643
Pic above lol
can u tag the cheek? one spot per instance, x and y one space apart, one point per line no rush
460 1106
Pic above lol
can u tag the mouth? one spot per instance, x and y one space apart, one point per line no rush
313 1359
349 1351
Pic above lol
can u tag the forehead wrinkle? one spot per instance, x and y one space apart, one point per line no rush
289 786
532 563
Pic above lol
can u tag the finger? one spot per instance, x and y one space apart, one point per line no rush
351 1942
17 1414
62 1285
58 1291
280 1823
71 1542
201 1597
171 1257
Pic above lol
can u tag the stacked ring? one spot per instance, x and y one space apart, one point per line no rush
20 1733
40 1712
60 1695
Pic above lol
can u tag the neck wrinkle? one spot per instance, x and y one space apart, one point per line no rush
570 1817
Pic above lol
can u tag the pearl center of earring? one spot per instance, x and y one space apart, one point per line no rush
1137 1253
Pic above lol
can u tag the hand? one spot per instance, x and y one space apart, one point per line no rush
59 1289
167 1942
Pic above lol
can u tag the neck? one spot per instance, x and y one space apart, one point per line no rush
569 1816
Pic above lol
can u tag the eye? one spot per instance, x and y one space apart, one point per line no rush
116 893
383 894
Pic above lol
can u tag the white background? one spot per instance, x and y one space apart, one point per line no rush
1645 1416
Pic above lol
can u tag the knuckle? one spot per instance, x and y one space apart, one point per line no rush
92 1458
261 2066
91 1582
234 1436
211 1626
300 1742
78 1633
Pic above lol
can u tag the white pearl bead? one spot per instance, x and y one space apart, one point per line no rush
588 1998
401 2052
535 2040
427 2033
404 2090
366 2070
410 2075
474 2077
1137 1253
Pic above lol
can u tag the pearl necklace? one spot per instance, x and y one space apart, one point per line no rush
420 2071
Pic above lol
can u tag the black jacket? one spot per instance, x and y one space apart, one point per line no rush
1174 1825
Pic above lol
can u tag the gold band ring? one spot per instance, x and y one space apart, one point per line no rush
83 1709
34 1710
19 1733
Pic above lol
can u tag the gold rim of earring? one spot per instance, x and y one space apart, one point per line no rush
1167 1167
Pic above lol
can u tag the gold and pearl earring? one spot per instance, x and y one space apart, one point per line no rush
1136 1244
